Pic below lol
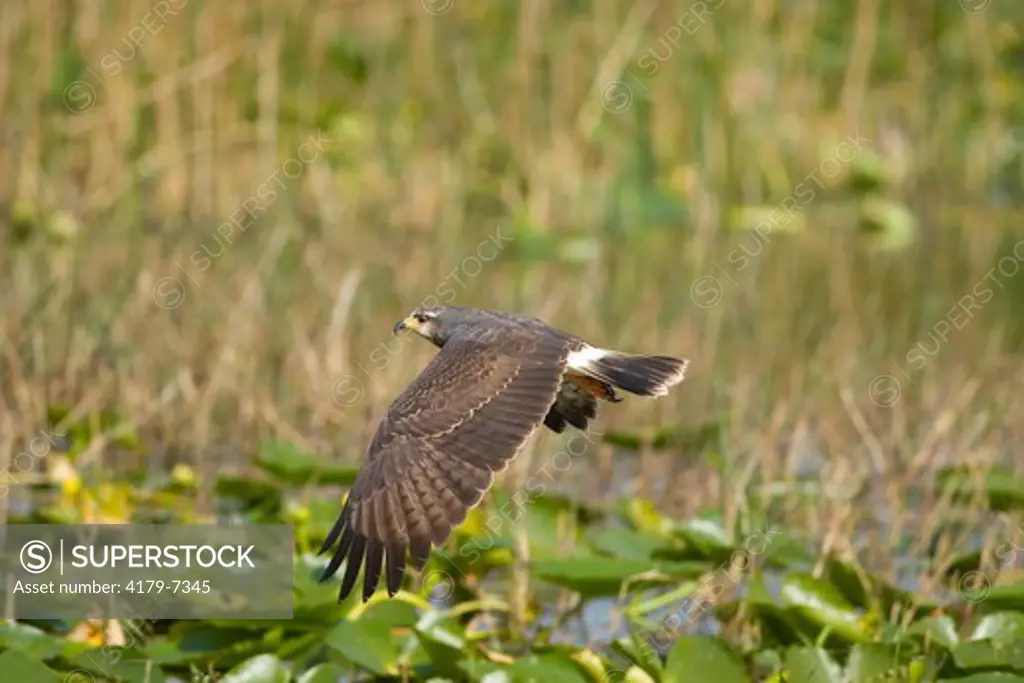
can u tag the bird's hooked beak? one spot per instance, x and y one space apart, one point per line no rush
405 324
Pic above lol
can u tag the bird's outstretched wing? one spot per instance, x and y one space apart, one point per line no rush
436 451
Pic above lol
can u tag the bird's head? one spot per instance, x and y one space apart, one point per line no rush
430 322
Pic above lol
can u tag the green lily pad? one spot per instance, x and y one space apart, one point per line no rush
79 433
988 677
551 523
547 667
1003 627
644 516
17 666
127 667
252 491
811 665
781 550
603 576
529 245
641 652
633 674
863 589
704 654
869 173
444 641
395 614
294 466
1004 490
626 543
36 643
259 669
773 615
1005 597
690 439
963 564
887 225
367 644
820 603
328 672
990 654
940 629
196 642
596 667
478 669
708 536
880 662
627 441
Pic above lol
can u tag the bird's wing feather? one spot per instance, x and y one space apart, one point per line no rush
435 453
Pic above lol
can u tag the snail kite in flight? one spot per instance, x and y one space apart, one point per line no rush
497 377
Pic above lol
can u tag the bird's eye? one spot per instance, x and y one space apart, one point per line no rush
419 317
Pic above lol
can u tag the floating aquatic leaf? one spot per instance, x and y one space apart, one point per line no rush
444 641
708 536
1001 627
887 225
626 543
259 669
79 433
689 439
633 674
294 466
532 245
392 613
823 605
704 654
988 677
550 523
1003 596
17 666
125 666
644 516
641 651
592 663
605 575
990 654
484 670
881 662
811 665
36 643
629 441
1003 489
940 629
547 667
780 550
347 58
869 173
251 491
311 593
197 642
328 672
868 591
367 644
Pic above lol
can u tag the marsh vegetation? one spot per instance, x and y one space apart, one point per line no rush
213 214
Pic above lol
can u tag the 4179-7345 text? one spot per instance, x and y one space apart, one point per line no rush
173 586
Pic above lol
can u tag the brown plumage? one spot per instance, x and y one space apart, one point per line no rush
497 377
